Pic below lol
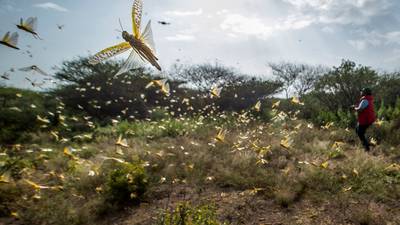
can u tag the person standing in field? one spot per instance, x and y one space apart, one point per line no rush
366 116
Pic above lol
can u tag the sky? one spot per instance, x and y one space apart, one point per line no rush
244 34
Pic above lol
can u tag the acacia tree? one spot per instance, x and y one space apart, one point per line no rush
203 76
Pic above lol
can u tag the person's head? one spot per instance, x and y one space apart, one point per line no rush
366 91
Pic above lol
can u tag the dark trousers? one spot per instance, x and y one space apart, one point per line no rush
360 130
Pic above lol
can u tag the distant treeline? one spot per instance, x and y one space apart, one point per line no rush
94 94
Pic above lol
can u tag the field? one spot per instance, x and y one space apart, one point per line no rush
222 169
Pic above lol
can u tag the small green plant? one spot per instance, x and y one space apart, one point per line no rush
125 184
184 213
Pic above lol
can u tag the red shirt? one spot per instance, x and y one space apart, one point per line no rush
367 116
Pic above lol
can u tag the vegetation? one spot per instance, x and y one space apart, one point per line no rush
184 213
100 149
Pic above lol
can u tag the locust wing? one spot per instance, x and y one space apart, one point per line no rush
137 10
147 37
13 40
31 23
10 40
134 60
109 52
6 37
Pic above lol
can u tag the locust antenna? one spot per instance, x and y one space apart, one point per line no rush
120 24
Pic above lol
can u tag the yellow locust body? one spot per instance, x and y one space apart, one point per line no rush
141 48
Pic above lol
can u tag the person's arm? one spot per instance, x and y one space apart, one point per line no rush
363 105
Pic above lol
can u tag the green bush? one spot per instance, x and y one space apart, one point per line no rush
184 213
325 117
341 118
125 184
345 118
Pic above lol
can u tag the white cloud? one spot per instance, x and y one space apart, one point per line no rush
222 11
305 13
185 13
181 37
394 58
375 39
393 37
295 22
340 11
329 30
52 6
358 44
237 23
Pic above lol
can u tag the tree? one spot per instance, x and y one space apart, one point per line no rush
287 73
203 76
307 79
95 90
341 86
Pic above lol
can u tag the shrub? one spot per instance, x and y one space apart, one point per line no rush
125 184
341 118
325 117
